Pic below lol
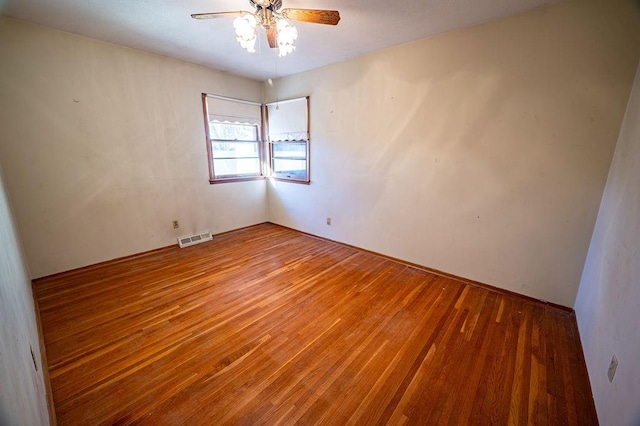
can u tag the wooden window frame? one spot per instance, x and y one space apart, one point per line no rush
307 141
260 128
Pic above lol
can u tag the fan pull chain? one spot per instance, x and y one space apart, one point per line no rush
276 86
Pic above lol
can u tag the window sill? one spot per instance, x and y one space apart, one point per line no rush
303 182
236 179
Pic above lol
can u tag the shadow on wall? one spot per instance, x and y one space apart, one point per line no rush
22 392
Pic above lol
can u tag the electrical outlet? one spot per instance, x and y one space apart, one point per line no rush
328 221
613 366
176 225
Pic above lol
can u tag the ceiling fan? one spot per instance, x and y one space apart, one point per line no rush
280 34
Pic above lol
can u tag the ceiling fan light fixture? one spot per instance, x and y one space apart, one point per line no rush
287 35
245 27
269 15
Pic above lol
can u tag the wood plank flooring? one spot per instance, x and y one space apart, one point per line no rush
270 326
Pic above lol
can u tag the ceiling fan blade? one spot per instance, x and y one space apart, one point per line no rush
272 37
328 17
218 15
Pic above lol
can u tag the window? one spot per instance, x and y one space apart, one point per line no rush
288 124
234 147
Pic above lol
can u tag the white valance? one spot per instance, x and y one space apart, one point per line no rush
233 111
289 120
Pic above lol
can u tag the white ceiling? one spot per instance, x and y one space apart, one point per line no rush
164 27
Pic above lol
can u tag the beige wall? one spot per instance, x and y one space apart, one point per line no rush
607 303
22 391
481 152
103 147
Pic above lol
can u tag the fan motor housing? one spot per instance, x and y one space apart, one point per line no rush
266 4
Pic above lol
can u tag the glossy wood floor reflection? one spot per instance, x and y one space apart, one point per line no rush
269 326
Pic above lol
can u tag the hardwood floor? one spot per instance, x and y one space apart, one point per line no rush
270 326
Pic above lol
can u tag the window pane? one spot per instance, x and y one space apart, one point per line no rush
290 150
234 150
233 167
292 169
233 131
